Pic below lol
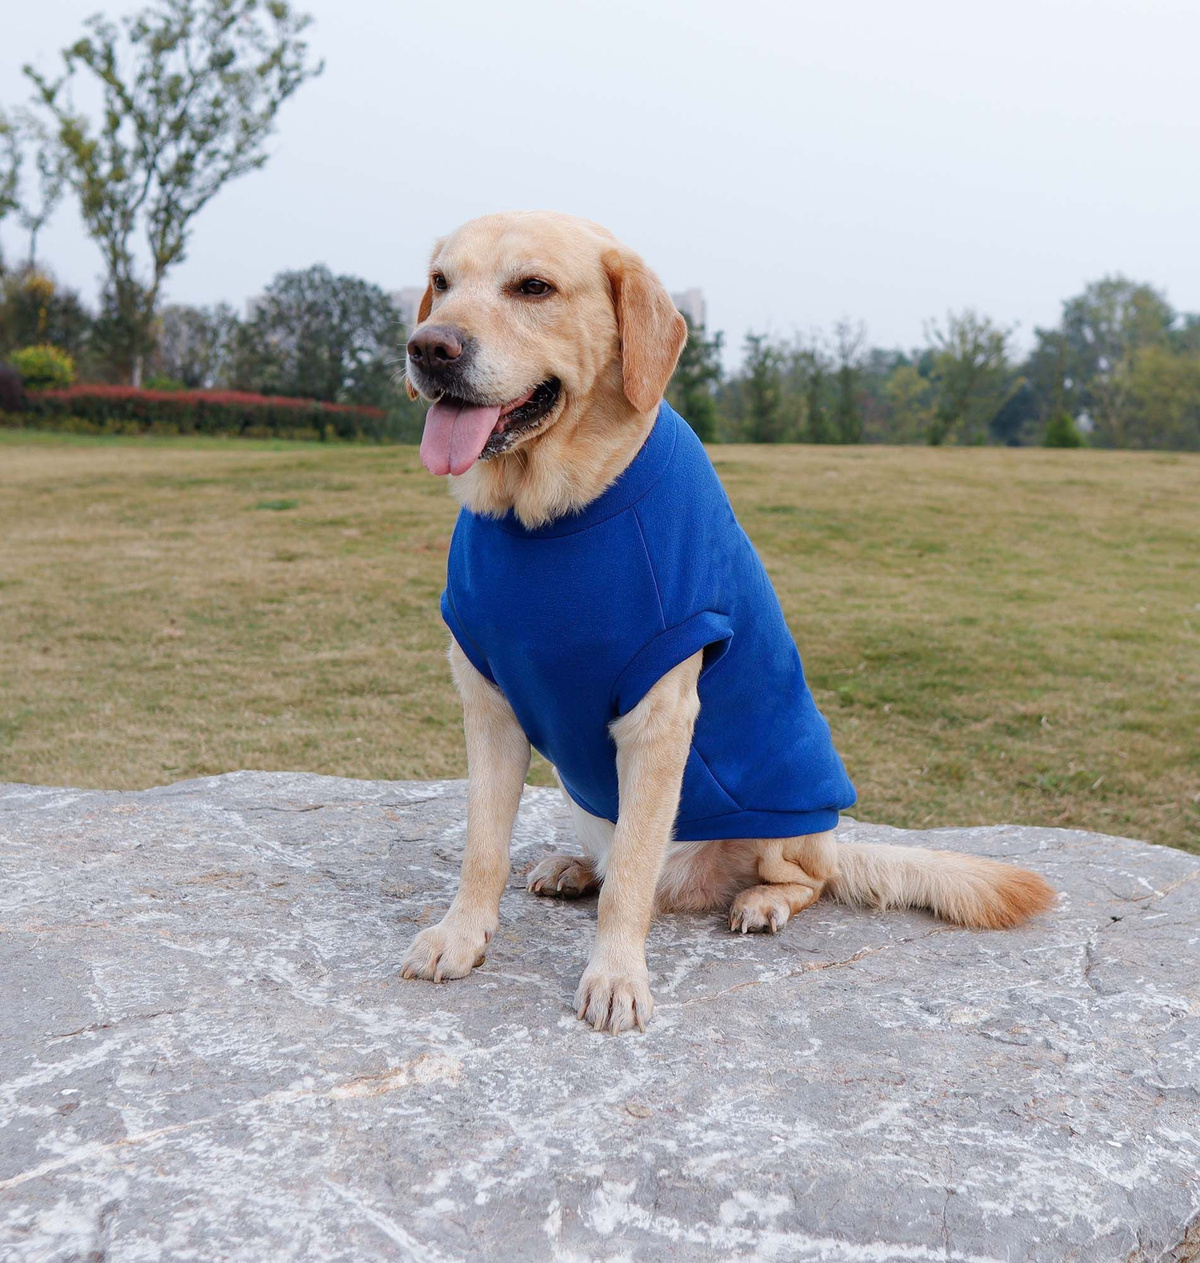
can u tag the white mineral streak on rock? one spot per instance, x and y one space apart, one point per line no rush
205 1053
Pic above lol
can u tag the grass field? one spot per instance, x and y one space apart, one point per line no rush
994 635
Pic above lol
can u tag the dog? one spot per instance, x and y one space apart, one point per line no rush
605 606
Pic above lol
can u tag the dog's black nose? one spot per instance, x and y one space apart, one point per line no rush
435 346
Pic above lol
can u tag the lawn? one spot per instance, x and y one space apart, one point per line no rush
995 635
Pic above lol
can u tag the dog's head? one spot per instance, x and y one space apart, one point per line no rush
529 318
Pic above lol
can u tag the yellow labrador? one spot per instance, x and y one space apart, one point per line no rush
545 346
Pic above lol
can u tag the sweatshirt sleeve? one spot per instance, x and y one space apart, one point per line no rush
465 643
706 630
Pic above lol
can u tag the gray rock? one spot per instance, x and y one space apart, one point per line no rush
207 1053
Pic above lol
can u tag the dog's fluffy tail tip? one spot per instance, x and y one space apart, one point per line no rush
1001 896
967 890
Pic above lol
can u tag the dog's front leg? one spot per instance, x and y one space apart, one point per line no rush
652 741
497 762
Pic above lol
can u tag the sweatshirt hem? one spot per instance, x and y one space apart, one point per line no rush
756 824
734 825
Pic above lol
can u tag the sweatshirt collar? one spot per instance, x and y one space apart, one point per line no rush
637 478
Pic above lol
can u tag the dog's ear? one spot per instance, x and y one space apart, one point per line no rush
652 332
423 310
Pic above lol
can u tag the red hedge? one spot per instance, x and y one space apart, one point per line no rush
208 412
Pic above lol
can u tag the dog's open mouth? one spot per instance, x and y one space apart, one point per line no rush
458 432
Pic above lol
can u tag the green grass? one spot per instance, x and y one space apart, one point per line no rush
994 635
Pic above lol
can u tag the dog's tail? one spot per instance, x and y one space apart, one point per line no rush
965 889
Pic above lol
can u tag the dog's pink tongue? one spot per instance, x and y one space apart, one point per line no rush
454 436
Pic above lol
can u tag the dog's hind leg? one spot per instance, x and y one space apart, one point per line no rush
562 877
793 873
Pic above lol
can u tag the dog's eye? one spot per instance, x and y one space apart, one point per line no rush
534 287
439 282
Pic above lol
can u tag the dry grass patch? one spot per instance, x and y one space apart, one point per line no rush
994 635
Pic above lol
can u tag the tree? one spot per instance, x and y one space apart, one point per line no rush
322 336
1163 400
1186 335
692 392
806 367
1016 422
910 399
848 421
1087 363
24 138
875 371
971 376
196 345
762 398
34 308
10 171
190 94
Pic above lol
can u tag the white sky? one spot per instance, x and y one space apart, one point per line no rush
801 162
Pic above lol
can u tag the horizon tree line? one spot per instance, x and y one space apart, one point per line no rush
189 92
1121 369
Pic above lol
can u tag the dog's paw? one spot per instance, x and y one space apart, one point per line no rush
767 907
614 1001
447 950
562 877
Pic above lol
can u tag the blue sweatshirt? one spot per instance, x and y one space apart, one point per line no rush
576 620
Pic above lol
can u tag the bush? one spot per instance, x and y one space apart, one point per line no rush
12 390
1061 431
124 410
406 419
35 310
164 383
44 367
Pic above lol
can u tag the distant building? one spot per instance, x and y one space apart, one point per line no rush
691 303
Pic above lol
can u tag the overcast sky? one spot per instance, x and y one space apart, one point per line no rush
800 162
